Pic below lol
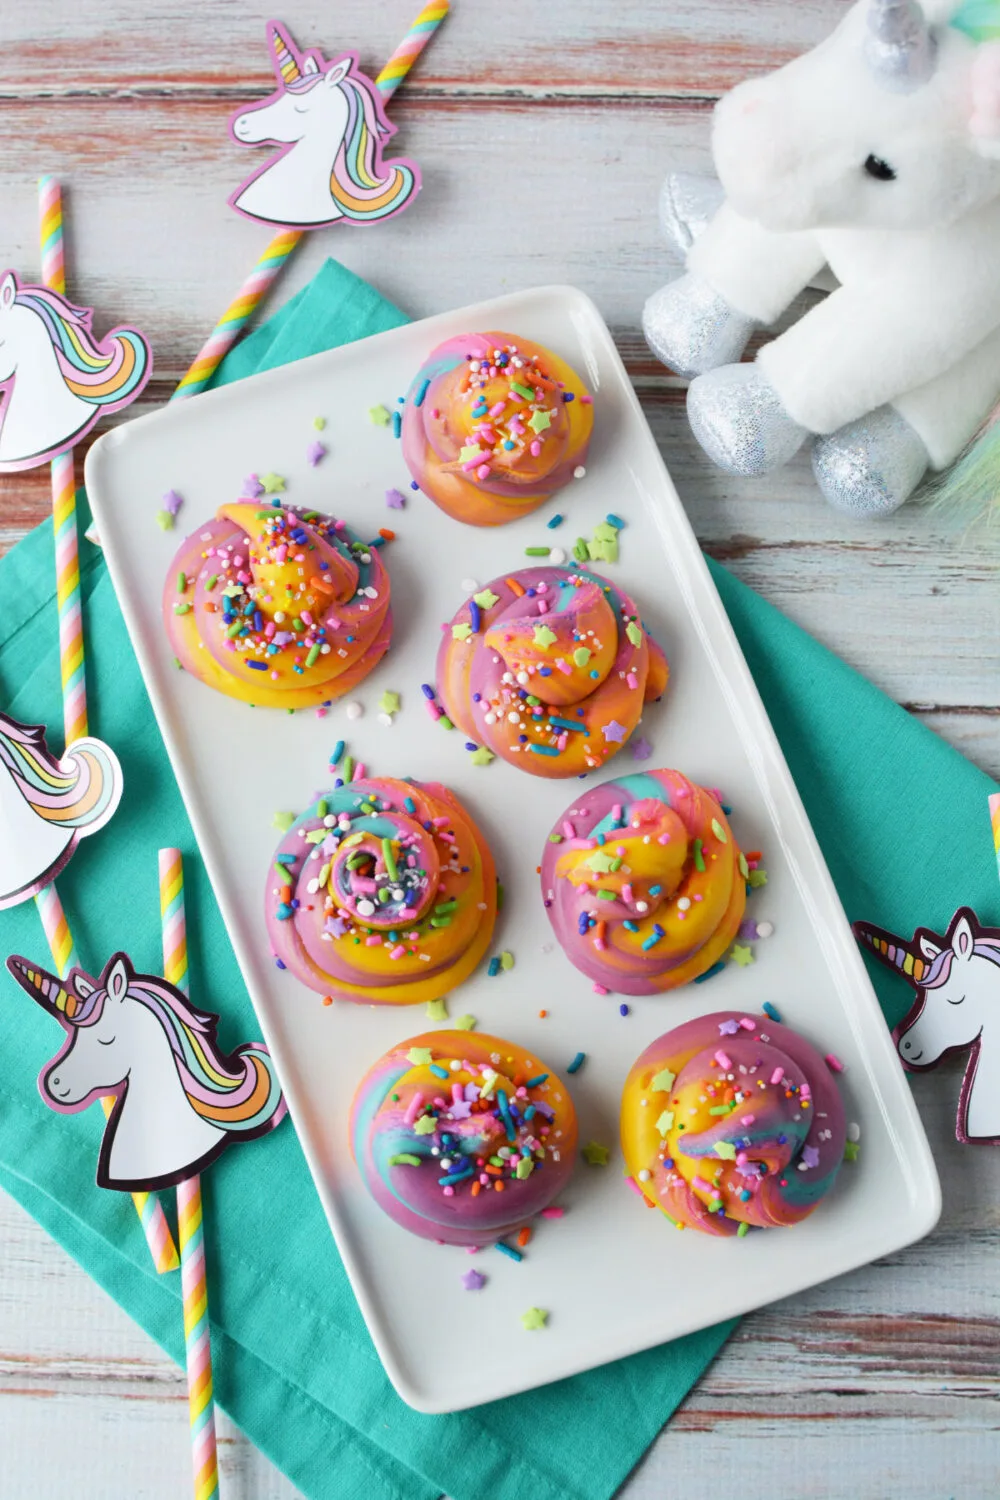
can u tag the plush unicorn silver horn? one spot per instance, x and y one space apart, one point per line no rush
900 45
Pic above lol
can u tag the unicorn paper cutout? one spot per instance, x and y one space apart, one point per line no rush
48 805
957 1006
56 379
329 121
179 1100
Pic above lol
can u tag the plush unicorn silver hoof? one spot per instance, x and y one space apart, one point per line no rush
688 203
740 422
872 466
691 329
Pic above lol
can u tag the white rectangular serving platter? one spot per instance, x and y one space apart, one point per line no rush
614 1277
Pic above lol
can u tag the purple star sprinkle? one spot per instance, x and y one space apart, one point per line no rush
641 748
395 500
748 930
252 487
473 1281
335 926
315 452
614 732
729 1028
810 1156
172 502
460 1110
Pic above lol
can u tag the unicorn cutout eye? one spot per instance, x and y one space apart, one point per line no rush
328 119
879 169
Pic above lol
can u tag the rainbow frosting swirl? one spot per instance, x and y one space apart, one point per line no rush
549 668
643 882
280 608
462 1137
382 891
493 425
730 1121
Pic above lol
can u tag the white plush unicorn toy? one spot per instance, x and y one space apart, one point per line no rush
875 157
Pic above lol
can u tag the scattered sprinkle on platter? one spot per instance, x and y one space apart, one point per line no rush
605 1277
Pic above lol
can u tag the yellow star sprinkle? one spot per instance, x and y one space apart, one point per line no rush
437 1010
425 1125
535 1317
482 756
389 702
273 484
486 598
741 954
420 1057
540 421
283 821
461 632
465 1023
379 415
595 1155
544 636
664 1081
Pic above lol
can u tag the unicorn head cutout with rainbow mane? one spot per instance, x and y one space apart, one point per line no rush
329 121
179 1100
957 1006
48 805
56 379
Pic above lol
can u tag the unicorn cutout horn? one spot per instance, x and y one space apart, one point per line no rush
56 379
957 1006
330 123
179 1100
48 805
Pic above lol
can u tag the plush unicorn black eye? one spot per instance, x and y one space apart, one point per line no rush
879 169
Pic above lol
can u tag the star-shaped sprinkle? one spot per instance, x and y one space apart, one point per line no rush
544 636
469 452
395 500
641 748
595 1155
389 702
164 520
726 1150
748 930
741 955
757 878
273 484
252 487
663 1082
426 1125
283 821
665 1122
535 1317
437 1010
728 1028
540 422
314 453
319 423
172 502
482 756
379 415
810 1155
335 926
473 1280
460 1111
603 862
614 732
465 1023
420 1057
486 598
461 632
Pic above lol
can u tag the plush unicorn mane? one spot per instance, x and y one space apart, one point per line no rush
104 374
75 792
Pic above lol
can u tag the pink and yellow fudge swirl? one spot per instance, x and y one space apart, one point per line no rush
493 425
383 891
462 1137
643 882
550 668
732 1120
279 607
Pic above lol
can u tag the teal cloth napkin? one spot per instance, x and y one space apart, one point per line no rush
902 820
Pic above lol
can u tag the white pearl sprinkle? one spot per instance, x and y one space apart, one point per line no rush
684 903
354 710
385 719
557 556
853 1132
645 1175
366 908
765 929
470 586
579 472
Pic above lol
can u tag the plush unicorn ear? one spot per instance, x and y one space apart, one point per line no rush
116 978
929 950
339 71
8 291
984 122
310 66
962 940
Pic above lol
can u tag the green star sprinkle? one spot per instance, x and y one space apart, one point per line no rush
603 862
461 632
524 1168
663 1082
283 821
273 484
595 1155
469 452
741 954
486 598
379 415
544 636
437 1010
482 756
726 1150
665 1122
164 520
426 1125
420 1057
757 878
535 1317
465 1023
540 421
389 702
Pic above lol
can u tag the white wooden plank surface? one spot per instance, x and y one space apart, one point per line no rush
883 1384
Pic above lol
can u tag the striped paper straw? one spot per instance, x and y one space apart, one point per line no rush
74 685
64 957
197 1331
995 824
257 285
410 48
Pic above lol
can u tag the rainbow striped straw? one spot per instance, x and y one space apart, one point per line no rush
74 684
197 1331
995 824
257 285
